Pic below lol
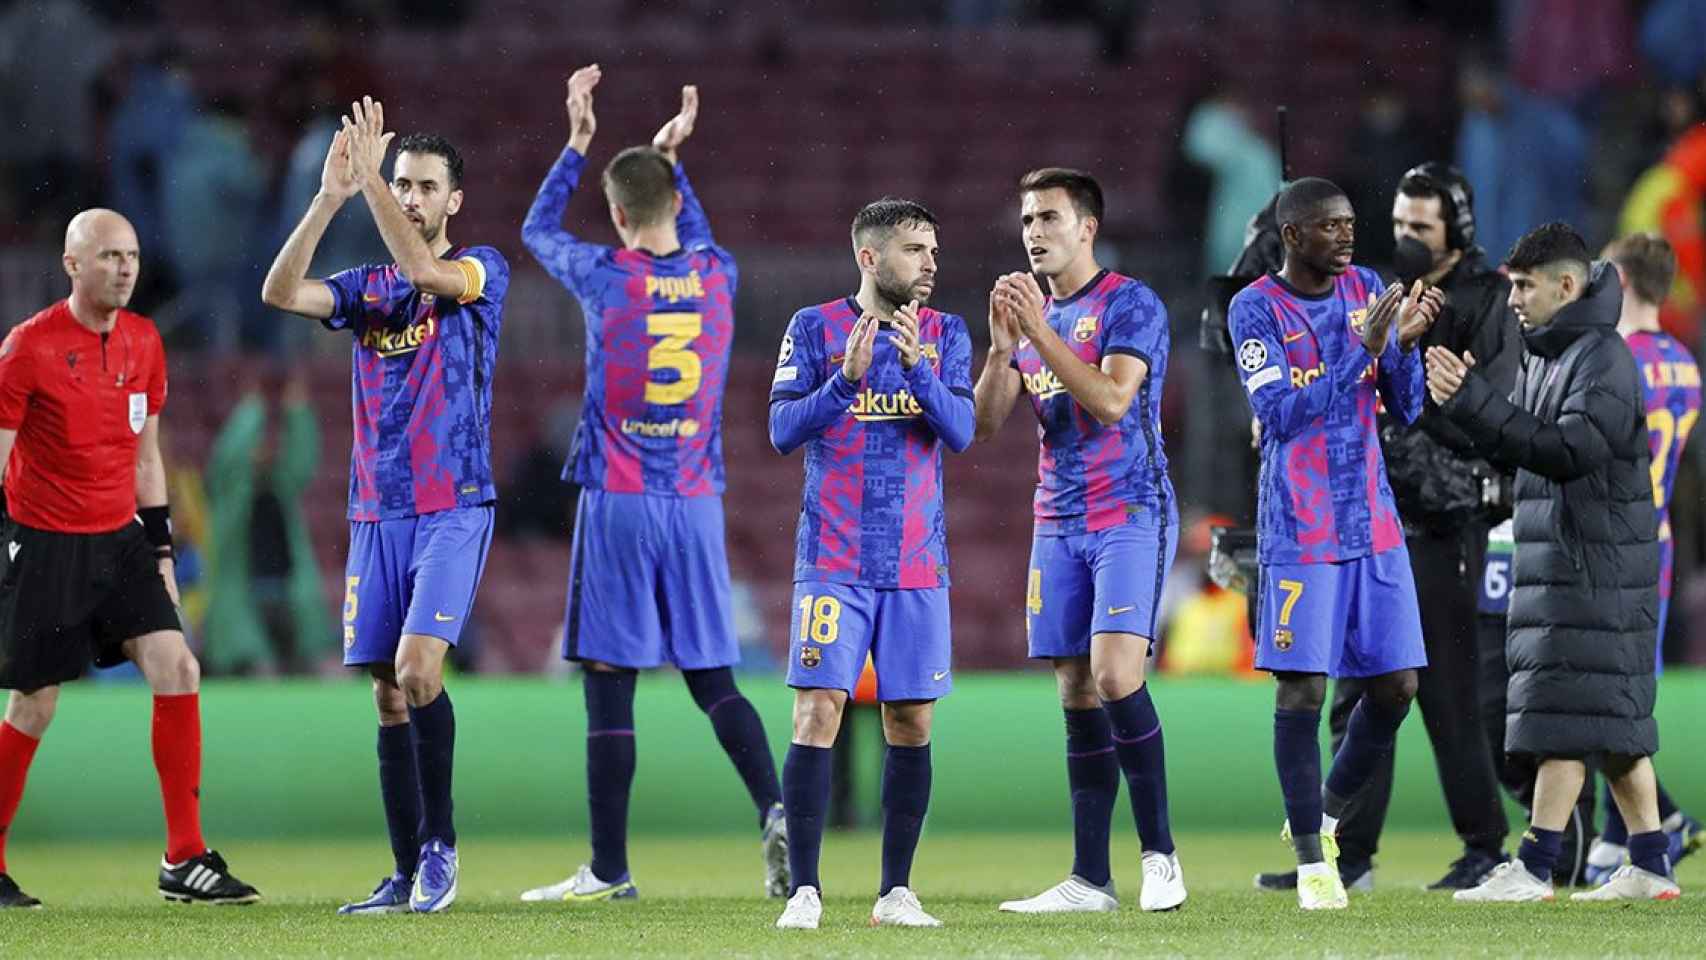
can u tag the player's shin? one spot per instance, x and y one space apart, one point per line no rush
1093 774
1297 756
1371 734
906 796
1138 742
805 798
400 791
610 760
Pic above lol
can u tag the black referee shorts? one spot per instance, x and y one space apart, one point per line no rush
71 599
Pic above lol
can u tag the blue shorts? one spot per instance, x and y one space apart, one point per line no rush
649 583
412 575
1353 619
906 632
1108 581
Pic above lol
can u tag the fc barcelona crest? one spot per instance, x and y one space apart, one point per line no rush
1282 639
1357 317
810 657
1084 329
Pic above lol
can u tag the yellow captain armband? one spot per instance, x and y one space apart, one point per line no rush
473 279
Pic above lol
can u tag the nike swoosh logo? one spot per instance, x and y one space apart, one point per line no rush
938 675
370 297
1116 611
441 618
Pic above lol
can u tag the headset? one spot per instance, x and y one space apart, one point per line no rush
1455 193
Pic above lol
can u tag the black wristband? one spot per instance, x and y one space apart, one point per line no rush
157 527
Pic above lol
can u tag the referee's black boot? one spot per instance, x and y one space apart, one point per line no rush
204 879
11 896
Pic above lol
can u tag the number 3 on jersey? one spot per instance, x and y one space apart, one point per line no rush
676 332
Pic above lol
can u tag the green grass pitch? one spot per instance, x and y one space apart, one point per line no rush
699 897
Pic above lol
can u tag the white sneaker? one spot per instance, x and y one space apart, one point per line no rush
1630 882
1510 882
583 887
1072 895
803 911
1320 889
900 908
775 853
1163 882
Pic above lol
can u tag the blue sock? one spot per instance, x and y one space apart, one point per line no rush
1297 756
906 795
1137 740
740 731
1616 831
805 797
1093 773
1539 851
609 768
400 789
1369 736
1651 852
434 727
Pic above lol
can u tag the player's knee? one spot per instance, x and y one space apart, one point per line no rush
1398 690
180 672
817 717
30 713
420 684
1077 685
906 728
1117 681
388 699
1301 692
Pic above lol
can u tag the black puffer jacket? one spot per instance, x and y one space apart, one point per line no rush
1584 596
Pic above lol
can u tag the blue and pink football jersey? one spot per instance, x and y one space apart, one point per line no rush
659 329
1670 384
871 513
1089 476
1323 496
421 386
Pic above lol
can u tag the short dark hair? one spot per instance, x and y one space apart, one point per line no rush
641 180
1081 188
1456 197
888 213
439 147
1300 199
1548 244
1648 264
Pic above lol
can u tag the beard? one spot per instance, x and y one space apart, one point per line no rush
896 292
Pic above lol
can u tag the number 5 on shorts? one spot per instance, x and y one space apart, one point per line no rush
1293 589
820 619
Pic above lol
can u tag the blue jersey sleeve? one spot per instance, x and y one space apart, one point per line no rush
692 227
346 287
1400 381
1136 325
947 399
1283 410
804 402
572 261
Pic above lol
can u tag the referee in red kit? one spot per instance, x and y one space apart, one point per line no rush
86 573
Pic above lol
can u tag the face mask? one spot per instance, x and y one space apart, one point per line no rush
1412 260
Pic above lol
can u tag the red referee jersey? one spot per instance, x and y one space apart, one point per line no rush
78 400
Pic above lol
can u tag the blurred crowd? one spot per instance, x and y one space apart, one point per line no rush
1589 111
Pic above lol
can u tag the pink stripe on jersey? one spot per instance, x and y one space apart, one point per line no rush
435 488
917 566
1311 497
624 388
1103 507
842 496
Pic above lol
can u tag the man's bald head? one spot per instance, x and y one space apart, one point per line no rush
102 258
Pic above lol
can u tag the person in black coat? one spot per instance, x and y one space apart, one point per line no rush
1584 600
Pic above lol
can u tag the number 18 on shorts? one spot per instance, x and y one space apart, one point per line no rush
906 632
